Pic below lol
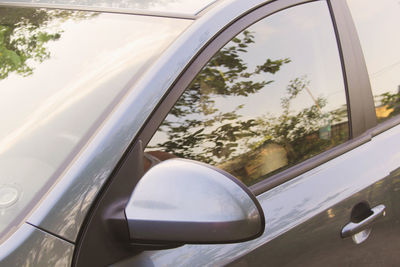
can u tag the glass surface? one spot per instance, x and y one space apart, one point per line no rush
378 26
61 74
190 7
270 98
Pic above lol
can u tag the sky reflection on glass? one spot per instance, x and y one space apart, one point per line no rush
380 41
272 97
50 105
190 7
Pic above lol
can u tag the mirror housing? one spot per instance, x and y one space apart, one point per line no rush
184 201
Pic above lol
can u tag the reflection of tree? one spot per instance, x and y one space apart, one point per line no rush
197 130
299 133
24 33
225 75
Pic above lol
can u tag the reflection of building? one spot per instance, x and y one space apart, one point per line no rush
270 156
385 110
263 160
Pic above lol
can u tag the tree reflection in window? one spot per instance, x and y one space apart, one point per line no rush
214 120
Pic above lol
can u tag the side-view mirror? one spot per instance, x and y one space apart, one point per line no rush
184 201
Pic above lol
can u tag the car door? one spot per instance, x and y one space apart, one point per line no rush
281 100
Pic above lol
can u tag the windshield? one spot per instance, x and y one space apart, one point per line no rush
188 7
61 74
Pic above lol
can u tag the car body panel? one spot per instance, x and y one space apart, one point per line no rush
317 241
29 246
81 182
304 217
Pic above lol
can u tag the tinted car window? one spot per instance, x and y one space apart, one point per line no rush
270 98
378 24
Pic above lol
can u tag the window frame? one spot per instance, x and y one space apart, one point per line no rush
388 123
356 82
129 170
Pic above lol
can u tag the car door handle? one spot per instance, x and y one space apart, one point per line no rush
353 228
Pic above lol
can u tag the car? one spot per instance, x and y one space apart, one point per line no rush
199 133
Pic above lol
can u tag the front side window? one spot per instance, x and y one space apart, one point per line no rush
378 24
270 98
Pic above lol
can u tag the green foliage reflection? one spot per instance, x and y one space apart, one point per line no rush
24 33
249 148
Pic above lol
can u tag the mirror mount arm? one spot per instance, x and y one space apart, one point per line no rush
106 224
117 224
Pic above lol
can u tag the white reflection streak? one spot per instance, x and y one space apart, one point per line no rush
129 56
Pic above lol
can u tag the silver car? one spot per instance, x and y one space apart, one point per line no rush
199 133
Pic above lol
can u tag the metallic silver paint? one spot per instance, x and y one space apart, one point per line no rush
360 237
29 246
326 193
287 205
81 182
184 201
351 228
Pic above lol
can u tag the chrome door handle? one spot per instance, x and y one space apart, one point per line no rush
353 228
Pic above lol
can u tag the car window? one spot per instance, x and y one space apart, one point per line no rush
272 97
378 24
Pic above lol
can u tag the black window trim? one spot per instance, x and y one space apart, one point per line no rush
359 93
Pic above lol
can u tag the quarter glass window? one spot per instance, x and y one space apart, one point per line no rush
270 98
378 26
